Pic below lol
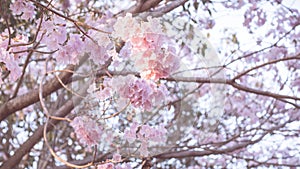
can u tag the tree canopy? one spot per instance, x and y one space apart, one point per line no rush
149 84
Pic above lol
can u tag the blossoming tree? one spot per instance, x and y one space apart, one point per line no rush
149 84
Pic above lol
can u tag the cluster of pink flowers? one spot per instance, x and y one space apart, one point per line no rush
113 166
23 7
102 92
98 49
70 52
153 52
254 15
106 166
154 55
55 38
87 130
145 134
10 64
70 46
141 93
10 59
110 164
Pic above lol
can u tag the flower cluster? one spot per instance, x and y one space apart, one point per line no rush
153 52
22 7
112 166
98 49
87 130
140 92
10 64
103 92
154 55
110 163
69 46
10 58
145 134
106 166
254 15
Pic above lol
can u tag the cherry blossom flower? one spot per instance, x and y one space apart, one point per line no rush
130 135
11 64
106 166
123 166
87 130
117 157
69 53
145 44
145 134
126 27
22 7
141 93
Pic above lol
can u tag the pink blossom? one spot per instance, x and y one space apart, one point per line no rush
123 166
156 56
145 133
126 50
130 135
87 130
148 133
206 23
60 34
104 92
153 25
106 166
101 38
11 64
17 7
149 48
144 149
70 53
255 16
117 157
28 12
126 27
234 5
141 93
21 6
98 49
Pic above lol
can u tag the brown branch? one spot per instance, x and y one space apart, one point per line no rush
230 82
76 23
86 160
163 10
25 65
265 64
31 97
143 6
38 134
189 153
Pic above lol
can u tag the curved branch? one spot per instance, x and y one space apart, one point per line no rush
163 10
38 134
32 96
265 64
230 82
189 153
143 6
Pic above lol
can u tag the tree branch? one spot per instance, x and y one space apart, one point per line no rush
38 134
189 153
32 96
143 6
163 10
230 82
